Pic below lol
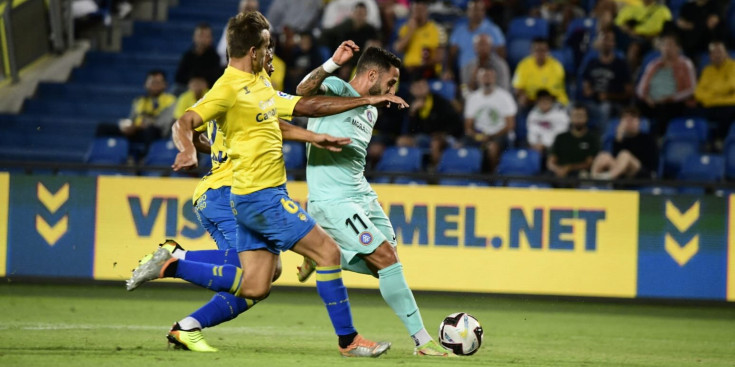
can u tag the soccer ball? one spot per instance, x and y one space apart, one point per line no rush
461 333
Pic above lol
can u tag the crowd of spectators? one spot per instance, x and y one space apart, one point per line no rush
602 61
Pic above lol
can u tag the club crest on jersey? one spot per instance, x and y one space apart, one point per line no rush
246 89
366 238
370 116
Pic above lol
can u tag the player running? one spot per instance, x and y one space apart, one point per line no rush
268 221
212 204
340 198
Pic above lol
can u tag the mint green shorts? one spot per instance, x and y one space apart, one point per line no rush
359 225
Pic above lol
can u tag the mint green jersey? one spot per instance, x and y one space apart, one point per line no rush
333 175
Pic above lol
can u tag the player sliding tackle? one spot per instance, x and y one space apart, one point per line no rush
268 221
212 203
340 198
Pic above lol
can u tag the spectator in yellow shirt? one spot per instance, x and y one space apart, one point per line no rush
197 88
716 88
539 71
421 41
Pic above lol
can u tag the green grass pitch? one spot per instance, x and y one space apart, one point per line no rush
102 325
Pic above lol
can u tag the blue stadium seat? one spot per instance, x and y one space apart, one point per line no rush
588 24
517 49
294 154
695 127
704 167
161 153
462 182
460 160
400 159
675 7
444 88
529 184
519 162
674 153
728 152
566 57
111 150
528 28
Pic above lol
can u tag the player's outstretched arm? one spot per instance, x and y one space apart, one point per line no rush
183 134
312 82
323 141
318 106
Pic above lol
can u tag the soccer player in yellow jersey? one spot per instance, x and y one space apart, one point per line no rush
212 204
268 220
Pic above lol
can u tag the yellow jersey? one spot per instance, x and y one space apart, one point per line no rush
427 37
253 159
531 78
185 101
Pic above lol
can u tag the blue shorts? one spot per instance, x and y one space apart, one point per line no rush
214 213
269 219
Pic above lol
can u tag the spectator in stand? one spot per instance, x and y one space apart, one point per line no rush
716 88
355 28
698 24
300 60
667 84
431 116
197 89
546 120
422 42
573 151
245 6
634 154
462 47
298 16
539 71
338 11
200 59
606 80
489 115
485 59
642 23
151 115
581 39
559 13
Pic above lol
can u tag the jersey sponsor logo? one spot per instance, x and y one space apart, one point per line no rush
246 89
265 116
370 116
270 102
284 95
360 126
366 238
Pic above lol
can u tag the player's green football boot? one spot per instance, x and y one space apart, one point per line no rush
362 347
151 269
169 245
432 349
192 340
308 266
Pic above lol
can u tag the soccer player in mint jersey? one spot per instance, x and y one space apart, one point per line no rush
268 221
340 198
212 206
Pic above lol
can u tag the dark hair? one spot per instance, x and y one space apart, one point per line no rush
245 30
540 40
579 106
361 5
154 72
203 25
543 93
631 111
379 57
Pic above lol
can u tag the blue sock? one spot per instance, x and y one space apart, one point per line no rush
334 294
221 308
219 278
216 257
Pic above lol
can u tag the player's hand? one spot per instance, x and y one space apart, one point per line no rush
387 100
331 143
185 160
345 52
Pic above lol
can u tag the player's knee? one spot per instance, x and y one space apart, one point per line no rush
257 293
329 253
278 271
383 257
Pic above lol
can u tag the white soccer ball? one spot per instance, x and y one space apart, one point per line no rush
461 333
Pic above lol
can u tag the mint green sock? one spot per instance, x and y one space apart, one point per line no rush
395 292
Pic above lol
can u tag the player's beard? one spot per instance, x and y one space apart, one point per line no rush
375 89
